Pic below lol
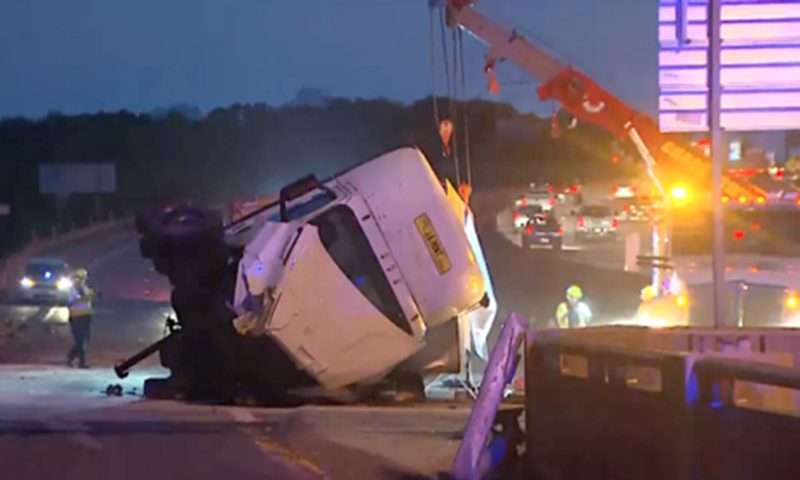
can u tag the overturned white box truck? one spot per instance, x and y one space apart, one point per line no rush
373 279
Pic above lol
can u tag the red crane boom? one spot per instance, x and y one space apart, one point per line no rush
587 101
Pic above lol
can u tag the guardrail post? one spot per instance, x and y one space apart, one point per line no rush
473 460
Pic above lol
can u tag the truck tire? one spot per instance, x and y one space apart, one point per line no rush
182 236
187 223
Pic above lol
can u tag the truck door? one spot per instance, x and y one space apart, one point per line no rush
335 312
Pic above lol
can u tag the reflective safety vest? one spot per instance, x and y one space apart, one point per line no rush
80 302
576 317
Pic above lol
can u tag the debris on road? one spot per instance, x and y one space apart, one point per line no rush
114 390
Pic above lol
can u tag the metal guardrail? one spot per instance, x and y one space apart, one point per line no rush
596 411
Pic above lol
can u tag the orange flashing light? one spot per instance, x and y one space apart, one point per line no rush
792 302
761 200
742 199
726 199
753 269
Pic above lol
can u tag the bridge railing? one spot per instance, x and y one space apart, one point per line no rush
601 410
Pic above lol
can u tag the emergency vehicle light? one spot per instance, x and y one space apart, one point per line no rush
792 302
679 193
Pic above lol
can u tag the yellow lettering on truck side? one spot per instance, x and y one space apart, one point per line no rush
434 243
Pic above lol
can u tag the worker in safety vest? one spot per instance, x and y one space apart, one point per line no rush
647 294
573 313
80 317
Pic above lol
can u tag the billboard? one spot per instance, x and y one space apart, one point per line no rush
760 65
69 178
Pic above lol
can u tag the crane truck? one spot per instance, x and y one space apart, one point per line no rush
371 280
674 166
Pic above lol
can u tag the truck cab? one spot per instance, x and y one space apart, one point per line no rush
358 274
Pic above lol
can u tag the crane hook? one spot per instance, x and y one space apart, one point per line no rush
555 127
494 87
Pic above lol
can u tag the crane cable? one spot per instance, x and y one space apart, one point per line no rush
454 105
433 66
465 105
449 88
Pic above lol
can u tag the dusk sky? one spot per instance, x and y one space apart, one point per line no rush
79 56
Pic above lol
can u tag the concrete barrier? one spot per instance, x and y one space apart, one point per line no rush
599 409
13 266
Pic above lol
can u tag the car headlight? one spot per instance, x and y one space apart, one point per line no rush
64 284
26 283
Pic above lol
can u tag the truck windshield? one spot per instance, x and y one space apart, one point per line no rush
301 209
347 244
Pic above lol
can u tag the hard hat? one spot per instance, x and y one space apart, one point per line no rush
575 292
81 273
647 293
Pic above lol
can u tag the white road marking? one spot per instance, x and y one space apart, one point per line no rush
241 415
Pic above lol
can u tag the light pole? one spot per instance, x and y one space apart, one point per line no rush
718 151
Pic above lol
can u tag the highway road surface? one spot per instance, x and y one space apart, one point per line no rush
57 423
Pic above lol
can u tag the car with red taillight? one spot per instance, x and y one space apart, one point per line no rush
543 231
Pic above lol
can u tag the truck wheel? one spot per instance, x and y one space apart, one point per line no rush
183 235
187 222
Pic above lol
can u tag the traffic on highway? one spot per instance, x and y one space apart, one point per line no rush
333 288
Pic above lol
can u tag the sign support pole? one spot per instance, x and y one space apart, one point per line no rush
718 150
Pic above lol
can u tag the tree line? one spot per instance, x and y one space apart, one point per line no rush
247 150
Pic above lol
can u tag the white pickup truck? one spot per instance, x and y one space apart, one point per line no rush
595 221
